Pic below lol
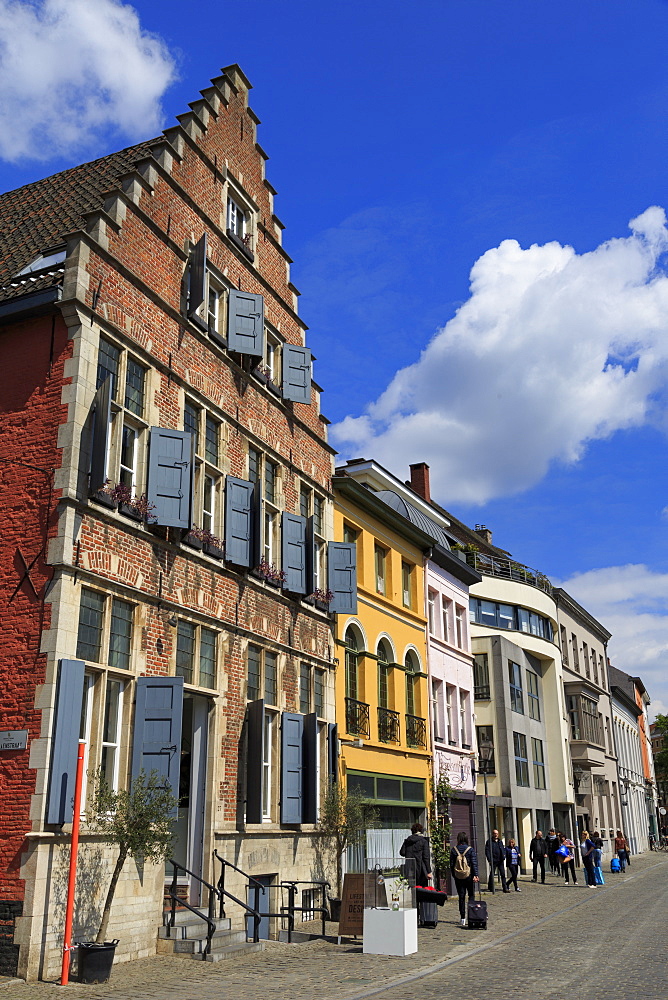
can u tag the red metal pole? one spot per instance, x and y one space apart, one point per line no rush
71 882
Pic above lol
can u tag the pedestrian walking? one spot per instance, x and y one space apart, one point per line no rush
587 851
568 858
464 870
495 853
552 840
598 857
513 858
538 851
622 850
417 847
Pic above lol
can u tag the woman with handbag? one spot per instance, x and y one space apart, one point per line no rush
587 850
566 855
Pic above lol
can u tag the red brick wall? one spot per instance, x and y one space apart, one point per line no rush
30 413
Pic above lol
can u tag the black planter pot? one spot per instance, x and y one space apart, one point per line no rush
104 499
96 960
334 909
213 550
193 542
128 511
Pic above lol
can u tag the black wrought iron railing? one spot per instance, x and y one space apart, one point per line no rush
176 900
481 692
357 717
388 726
508 569
257 887
416 731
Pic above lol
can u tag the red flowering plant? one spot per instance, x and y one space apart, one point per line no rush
269 572
122 495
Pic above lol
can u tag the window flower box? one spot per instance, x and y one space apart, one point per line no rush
211 549
270 574
263 375
193 541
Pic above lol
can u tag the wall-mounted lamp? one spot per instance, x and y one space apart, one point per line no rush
352 743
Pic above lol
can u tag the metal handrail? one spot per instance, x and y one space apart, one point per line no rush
209 918
222 892
291 886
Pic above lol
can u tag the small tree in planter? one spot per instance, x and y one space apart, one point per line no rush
344 816
439 829
138 821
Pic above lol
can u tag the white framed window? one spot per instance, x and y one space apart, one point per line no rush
207 432
265 473
438 709
236 218
446 616
129 428
111 731
105 632
85 732
460 627
431 610
262 674
464 702
196 654
450 708
267 756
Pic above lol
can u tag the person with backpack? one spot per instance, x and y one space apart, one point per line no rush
464 870
537 854
495 853
417 847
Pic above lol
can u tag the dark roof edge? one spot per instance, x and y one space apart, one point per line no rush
621 695
451 563
366 498
32 304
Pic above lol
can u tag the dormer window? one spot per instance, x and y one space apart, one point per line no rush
44 261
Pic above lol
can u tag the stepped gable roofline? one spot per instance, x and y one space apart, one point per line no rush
569 604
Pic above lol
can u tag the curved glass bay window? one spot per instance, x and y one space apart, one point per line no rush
510 616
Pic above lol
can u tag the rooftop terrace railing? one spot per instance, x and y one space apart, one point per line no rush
508 569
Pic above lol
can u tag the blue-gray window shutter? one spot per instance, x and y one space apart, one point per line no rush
197 280
254 760
170 477
238 520
65 741
293 552
297 374
333 751
311 556
342 577
310 769
245 323
156 744
100 438
292 751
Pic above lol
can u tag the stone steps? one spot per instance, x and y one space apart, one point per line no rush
187 939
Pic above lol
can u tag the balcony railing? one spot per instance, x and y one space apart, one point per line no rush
357 717
481 692
508 569
416 731
388 726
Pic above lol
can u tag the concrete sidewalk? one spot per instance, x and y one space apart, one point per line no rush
319 970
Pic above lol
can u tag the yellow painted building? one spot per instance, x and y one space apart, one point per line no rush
382 707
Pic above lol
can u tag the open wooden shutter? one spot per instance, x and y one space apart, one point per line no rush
239 495
333 751
197 282
292 738
170 477
311 555
245 323
156 745
342 577
254 760
293 552
65 741
100 437
310 769
297 374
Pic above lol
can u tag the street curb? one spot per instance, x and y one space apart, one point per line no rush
437 966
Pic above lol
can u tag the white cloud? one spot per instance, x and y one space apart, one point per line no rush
631 602
551 350
70 69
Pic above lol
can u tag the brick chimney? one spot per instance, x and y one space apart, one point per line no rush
420 479
484 532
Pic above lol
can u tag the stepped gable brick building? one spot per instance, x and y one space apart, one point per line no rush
165 528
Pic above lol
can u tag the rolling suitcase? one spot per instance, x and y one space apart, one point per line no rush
427 913
477 912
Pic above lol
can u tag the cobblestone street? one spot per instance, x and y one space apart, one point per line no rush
545 941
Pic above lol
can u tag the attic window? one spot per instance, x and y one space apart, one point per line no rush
43 261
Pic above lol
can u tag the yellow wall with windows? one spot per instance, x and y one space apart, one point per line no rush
390 613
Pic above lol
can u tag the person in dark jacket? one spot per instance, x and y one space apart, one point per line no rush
417 847
464 885
513 858
552 840
495 853
537 854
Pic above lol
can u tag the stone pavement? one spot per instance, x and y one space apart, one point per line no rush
543 942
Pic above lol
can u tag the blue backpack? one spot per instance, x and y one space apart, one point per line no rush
615 865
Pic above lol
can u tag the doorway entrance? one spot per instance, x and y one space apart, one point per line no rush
189 829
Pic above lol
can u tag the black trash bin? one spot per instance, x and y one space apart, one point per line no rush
96 960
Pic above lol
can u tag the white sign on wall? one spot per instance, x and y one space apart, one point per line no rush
13 739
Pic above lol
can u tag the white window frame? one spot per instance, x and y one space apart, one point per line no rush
268 724
114 744
460 626
446 618
205 468
236 217
431 610
87 718
122 417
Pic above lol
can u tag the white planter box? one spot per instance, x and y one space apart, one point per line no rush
390 932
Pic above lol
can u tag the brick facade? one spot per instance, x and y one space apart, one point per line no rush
125 283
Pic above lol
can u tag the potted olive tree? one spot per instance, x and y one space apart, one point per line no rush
139 823
344 818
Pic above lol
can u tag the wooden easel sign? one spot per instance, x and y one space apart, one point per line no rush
351 922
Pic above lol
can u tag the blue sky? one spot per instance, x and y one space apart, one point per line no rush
456 178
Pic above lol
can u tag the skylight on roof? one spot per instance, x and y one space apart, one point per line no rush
43 261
